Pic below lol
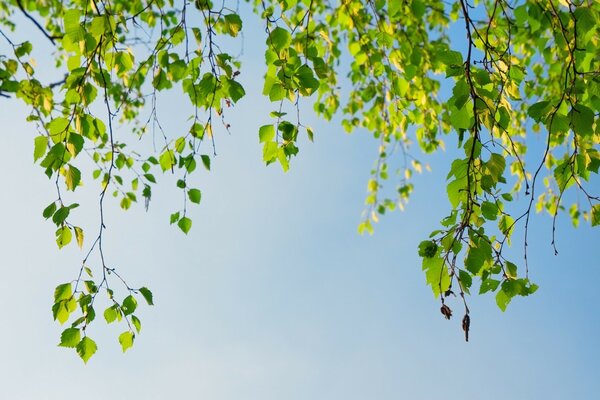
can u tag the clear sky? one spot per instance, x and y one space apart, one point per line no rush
273 295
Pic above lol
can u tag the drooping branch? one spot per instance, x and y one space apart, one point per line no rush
51 38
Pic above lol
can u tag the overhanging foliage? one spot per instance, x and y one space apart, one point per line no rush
510 69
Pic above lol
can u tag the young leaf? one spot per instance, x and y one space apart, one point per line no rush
63 236
427 248
233 24
595 215
40 147
63 292
488 285
147 294
61 215
49 211
502 299
137 323
110 314
185 224
195 195
86 348
167 160
126 340
79 236
70 337
206 161
129 305
279 39
266 133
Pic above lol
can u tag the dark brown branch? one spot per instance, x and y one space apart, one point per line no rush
37 24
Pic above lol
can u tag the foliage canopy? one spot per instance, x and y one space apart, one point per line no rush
481 74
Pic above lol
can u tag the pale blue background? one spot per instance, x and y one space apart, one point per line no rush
273 294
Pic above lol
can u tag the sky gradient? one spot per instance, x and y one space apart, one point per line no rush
273 295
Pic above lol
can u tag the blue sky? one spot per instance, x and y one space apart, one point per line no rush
274 295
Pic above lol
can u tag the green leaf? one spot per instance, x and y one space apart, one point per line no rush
70 337
436 274
111 314
307 82
150 178
161 81
129 305
283 159
197 130
79 236
270 150
502 299
489 210
62 309
466 280
71 19
185 224
63 236
266 133
457 192
418 8
428 248
539 110
205 161
124 61
177 70
511 270
86 348
279 39
479 253
496 165
450 57
583 120
207 86
57 128
98 26
63 292
194 195
394 7
180 144
91 287
40 145
23 49
233 24
277 92
488 285
235 91
506 224
61 215
166 160
49 211
72 177
595 215
532 289
136 323
147 294
126 340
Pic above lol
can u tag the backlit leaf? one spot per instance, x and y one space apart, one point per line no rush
147 294
195 195
126 340
86 348
70 337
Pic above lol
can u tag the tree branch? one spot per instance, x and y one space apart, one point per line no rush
37 24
